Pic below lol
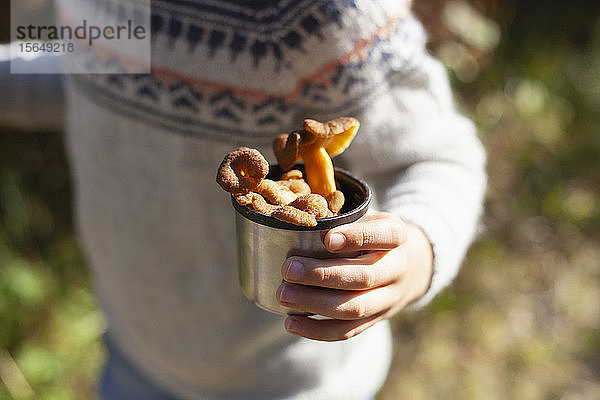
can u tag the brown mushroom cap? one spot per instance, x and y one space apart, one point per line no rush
285 148
335 135
242 170
329 128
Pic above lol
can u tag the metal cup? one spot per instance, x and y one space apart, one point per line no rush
263 242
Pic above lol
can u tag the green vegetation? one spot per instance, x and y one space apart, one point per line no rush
521 321
50 326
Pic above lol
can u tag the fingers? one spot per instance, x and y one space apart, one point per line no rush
374 233
338 304
355 291
367 271
328 330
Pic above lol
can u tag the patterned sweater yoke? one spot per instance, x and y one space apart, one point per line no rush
249 70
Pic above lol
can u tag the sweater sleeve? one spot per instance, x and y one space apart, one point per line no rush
422 158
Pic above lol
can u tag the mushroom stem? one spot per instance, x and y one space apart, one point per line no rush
319 169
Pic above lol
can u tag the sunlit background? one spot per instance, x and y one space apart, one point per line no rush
521 321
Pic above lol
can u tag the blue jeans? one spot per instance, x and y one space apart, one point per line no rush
122 381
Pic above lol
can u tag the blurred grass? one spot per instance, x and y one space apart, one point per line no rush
50 325
521 321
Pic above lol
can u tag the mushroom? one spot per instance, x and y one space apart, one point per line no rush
285 148
316 145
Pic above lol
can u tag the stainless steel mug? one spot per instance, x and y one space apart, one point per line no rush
263 243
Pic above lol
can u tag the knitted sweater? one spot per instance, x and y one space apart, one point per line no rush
159 233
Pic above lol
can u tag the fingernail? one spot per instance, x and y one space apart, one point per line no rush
294 271
288 295
292 325
337 241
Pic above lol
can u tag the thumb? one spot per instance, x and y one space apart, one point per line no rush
377 234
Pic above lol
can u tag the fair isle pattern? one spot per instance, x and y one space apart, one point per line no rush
258 27
185 103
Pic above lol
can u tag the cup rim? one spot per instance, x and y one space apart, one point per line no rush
322 223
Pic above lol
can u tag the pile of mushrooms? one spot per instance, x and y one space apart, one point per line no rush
291 199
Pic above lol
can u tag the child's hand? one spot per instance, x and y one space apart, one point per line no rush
393 269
